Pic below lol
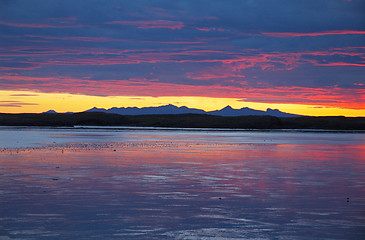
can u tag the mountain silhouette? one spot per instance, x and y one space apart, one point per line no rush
50 111
167 109
54 112
227 111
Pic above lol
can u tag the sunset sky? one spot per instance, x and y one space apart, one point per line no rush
304 57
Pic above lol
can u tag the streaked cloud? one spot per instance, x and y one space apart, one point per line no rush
264 51
17 104
311 34
151 24
38 25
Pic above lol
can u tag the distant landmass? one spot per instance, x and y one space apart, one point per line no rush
189 120
227 111
49 111
54 112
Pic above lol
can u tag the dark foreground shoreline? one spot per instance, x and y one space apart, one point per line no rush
182 121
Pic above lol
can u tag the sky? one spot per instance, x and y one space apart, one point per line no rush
304 57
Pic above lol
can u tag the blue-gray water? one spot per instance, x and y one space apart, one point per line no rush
107 183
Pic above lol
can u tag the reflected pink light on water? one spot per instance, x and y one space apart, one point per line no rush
174 186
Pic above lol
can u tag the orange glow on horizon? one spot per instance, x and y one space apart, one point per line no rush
36 102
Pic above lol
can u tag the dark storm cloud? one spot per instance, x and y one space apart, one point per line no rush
55 45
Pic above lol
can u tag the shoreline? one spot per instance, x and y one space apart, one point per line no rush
133 128
183 121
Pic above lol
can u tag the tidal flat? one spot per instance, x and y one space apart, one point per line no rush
156 183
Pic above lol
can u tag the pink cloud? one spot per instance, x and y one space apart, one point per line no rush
209 29
208 76
19 68
231 62
39 25
333 97
151 24
40 38
76 38
312 34
340 64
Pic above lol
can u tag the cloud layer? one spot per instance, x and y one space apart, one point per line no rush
304 52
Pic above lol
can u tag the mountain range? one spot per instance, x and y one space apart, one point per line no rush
227 111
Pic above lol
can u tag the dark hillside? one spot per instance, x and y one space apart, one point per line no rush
183 121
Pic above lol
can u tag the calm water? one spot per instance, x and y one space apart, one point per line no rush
107 183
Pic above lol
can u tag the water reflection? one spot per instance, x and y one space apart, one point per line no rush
165 189
20 137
